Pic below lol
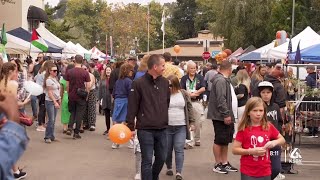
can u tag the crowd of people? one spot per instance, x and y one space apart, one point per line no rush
164 103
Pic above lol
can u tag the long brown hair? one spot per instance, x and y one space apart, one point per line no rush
175 85
46 76
104 74
5 71
246 121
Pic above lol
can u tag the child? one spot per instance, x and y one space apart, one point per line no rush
254 139
273 115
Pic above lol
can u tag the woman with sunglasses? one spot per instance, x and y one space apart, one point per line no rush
51 88
181 119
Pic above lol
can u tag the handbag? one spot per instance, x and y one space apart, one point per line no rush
24 119
82 93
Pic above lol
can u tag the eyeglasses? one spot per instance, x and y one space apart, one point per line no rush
54 71
170 85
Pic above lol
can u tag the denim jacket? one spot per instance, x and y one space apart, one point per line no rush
13 142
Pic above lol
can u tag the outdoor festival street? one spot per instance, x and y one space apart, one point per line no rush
92 158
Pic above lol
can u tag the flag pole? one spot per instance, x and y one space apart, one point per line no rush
148 48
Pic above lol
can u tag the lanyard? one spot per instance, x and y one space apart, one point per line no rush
191 86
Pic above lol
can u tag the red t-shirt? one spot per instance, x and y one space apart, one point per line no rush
76 77
256 166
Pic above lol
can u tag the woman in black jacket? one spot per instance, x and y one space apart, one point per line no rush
105 96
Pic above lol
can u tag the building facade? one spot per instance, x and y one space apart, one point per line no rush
16 13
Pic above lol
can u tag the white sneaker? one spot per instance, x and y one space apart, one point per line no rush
41 129
131 144
115 146
280 177
137 177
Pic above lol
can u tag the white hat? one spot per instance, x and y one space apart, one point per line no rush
265 84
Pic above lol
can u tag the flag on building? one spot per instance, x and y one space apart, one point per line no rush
297 59
3 42
38 42
163 20
3 36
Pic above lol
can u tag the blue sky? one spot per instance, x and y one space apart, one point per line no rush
55 2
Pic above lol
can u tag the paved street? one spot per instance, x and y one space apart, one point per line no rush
92 158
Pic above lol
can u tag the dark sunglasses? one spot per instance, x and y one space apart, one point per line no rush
170 85
54 70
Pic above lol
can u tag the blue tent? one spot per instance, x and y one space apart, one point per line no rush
26 35
251 56
309 54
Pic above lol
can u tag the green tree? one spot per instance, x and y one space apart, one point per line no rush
242 22
84 15
58 27
183 18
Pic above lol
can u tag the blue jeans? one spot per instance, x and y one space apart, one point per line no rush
176 139
152 142
52 114
34 106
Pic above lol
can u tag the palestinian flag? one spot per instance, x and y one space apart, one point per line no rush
38 42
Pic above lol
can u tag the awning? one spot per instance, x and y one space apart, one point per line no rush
35 13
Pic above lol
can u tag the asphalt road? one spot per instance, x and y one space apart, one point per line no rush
91 158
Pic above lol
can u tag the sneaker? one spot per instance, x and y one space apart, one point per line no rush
197 143
69 132
280 177
105 132
81 130
169 172
76 136
315 136
92 128
21 175
115 146
230 168
131 144
137 177
219 168
179 176
48 141
41 129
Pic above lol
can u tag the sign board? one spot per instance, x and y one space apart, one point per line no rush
206 55
214 53
132 52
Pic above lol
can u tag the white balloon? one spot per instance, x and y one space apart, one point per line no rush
33 88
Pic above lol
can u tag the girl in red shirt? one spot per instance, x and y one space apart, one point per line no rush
254 139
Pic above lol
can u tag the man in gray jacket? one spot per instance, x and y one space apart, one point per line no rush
220 111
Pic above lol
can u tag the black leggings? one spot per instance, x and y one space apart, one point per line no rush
275 157
42 109
245 177
107 114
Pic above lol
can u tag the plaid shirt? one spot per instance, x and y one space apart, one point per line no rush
171 70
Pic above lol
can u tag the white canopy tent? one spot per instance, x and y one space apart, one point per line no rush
16 45
47 35
307 37
97 54
82 50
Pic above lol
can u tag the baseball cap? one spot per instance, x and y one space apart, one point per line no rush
265 84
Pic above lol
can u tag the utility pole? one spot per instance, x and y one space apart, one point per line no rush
293 11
